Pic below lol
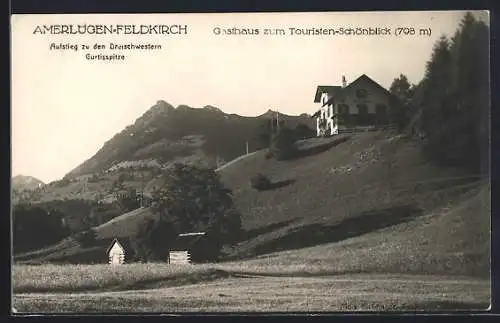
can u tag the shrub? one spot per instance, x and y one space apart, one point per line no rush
260 182
86 238
302 131
283 145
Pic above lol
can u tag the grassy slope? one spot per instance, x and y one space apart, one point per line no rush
373 201
453 241
375 217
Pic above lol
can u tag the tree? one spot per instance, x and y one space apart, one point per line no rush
283 144
435 99
86 238
194 199
129 201
453 98
302 131
268 129
260 182
35 227
402 91
151 238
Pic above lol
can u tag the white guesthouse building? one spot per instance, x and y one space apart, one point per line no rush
362 103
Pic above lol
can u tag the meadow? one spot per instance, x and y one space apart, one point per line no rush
363 224
232 288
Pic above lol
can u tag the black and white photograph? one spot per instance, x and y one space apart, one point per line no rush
278 162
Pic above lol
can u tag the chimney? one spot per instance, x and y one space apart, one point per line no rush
344 82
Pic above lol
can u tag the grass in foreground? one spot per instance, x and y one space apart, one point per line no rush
260 294
73 278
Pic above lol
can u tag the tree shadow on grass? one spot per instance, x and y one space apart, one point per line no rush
252 233
357 225
318 149
279 184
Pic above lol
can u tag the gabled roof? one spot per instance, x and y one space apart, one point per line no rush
330 89
185 241
115 241
316 114
124 243
192 234
363 77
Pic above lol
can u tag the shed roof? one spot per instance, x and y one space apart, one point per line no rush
330 89
186 241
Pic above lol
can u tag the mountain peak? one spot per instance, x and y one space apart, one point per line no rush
212 108
162 107
271 113
268 113
162 135
26 182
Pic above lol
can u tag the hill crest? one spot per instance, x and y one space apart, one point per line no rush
156 134
26 182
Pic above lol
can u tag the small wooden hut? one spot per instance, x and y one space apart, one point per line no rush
181 250
116 253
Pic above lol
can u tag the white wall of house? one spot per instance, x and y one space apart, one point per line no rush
327 113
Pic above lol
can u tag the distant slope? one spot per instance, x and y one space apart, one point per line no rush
25 188
364 202
22 182
161 136
165 132
70 250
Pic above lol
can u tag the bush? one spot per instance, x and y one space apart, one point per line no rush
302 131
283 145
86 238
260 182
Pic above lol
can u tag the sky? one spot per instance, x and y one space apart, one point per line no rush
64 106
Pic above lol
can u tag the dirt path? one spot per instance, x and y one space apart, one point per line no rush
235 160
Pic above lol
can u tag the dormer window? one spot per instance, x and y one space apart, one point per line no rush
361 94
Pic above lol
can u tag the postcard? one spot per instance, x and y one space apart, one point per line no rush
291 162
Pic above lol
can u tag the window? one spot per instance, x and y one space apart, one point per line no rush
362 119
361 94
343 109
381 109
381 113
363 109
